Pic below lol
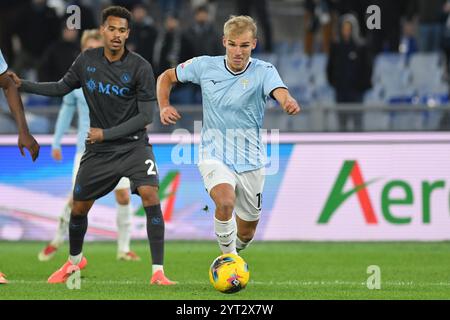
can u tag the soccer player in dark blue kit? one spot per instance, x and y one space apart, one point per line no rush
119 88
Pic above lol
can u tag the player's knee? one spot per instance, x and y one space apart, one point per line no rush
122 197
80 208
225 206
149 195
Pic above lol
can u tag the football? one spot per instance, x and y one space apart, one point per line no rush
229 273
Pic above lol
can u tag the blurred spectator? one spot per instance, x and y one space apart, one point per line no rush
211 5
387 39
445 121
59 56
169 8
11 13
408 42
143 33
349 70
41 28
129 4
262 16
317 19
430 15
201 38
446 35
167 53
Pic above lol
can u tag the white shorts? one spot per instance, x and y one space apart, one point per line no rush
124 183
248 186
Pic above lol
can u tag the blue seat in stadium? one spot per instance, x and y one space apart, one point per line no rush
318 69
374 117
268 57
7 125
294 70
304 94
428 80
396 79
38 124
386 64
324 95
426 60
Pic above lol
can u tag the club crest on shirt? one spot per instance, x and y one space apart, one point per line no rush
125 77
245 83
91 85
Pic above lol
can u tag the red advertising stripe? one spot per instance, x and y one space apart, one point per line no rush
363 195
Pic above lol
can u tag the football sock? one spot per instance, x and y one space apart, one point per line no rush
155 233
157 267
63 226
77 229
241 245
76 259
123 227
226 234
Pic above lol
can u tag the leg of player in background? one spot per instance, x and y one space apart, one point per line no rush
77 230
224 198
63 222
3 278
61 231
155 232
124 224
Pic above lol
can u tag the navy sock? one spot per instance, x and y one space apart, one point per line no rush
155 233
77 229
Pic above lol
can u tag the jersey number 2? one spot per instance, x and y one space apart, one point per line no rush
151 171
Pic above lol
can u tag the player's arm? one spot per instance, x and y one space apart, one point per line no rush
138 122
15 105
69 82
51 89
146 103
168 114
63 121
286 101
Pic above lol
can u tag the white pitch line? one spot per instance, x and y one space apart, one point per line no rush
305 283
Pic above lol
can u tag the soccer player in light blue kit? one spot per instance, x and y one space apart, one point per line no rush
26 140
72 102
235 89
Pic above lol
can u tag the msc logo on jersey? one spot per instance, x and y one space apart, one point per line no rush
106 88
125 77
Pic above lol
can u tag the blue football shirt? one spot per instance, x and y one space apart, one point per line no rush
3 64
74 101
233 108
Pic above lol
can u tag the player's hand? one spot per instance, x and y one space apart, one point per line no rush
15 78
95 135
169 115
56 154
27 141
291 107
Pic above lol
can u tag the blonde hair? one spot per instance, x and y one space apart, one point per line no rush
90 34
237 25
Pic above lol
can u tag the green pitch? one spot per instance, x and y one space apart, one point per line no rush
279 270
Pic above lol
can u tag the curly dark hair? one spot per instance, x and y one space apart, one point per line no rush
116 11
